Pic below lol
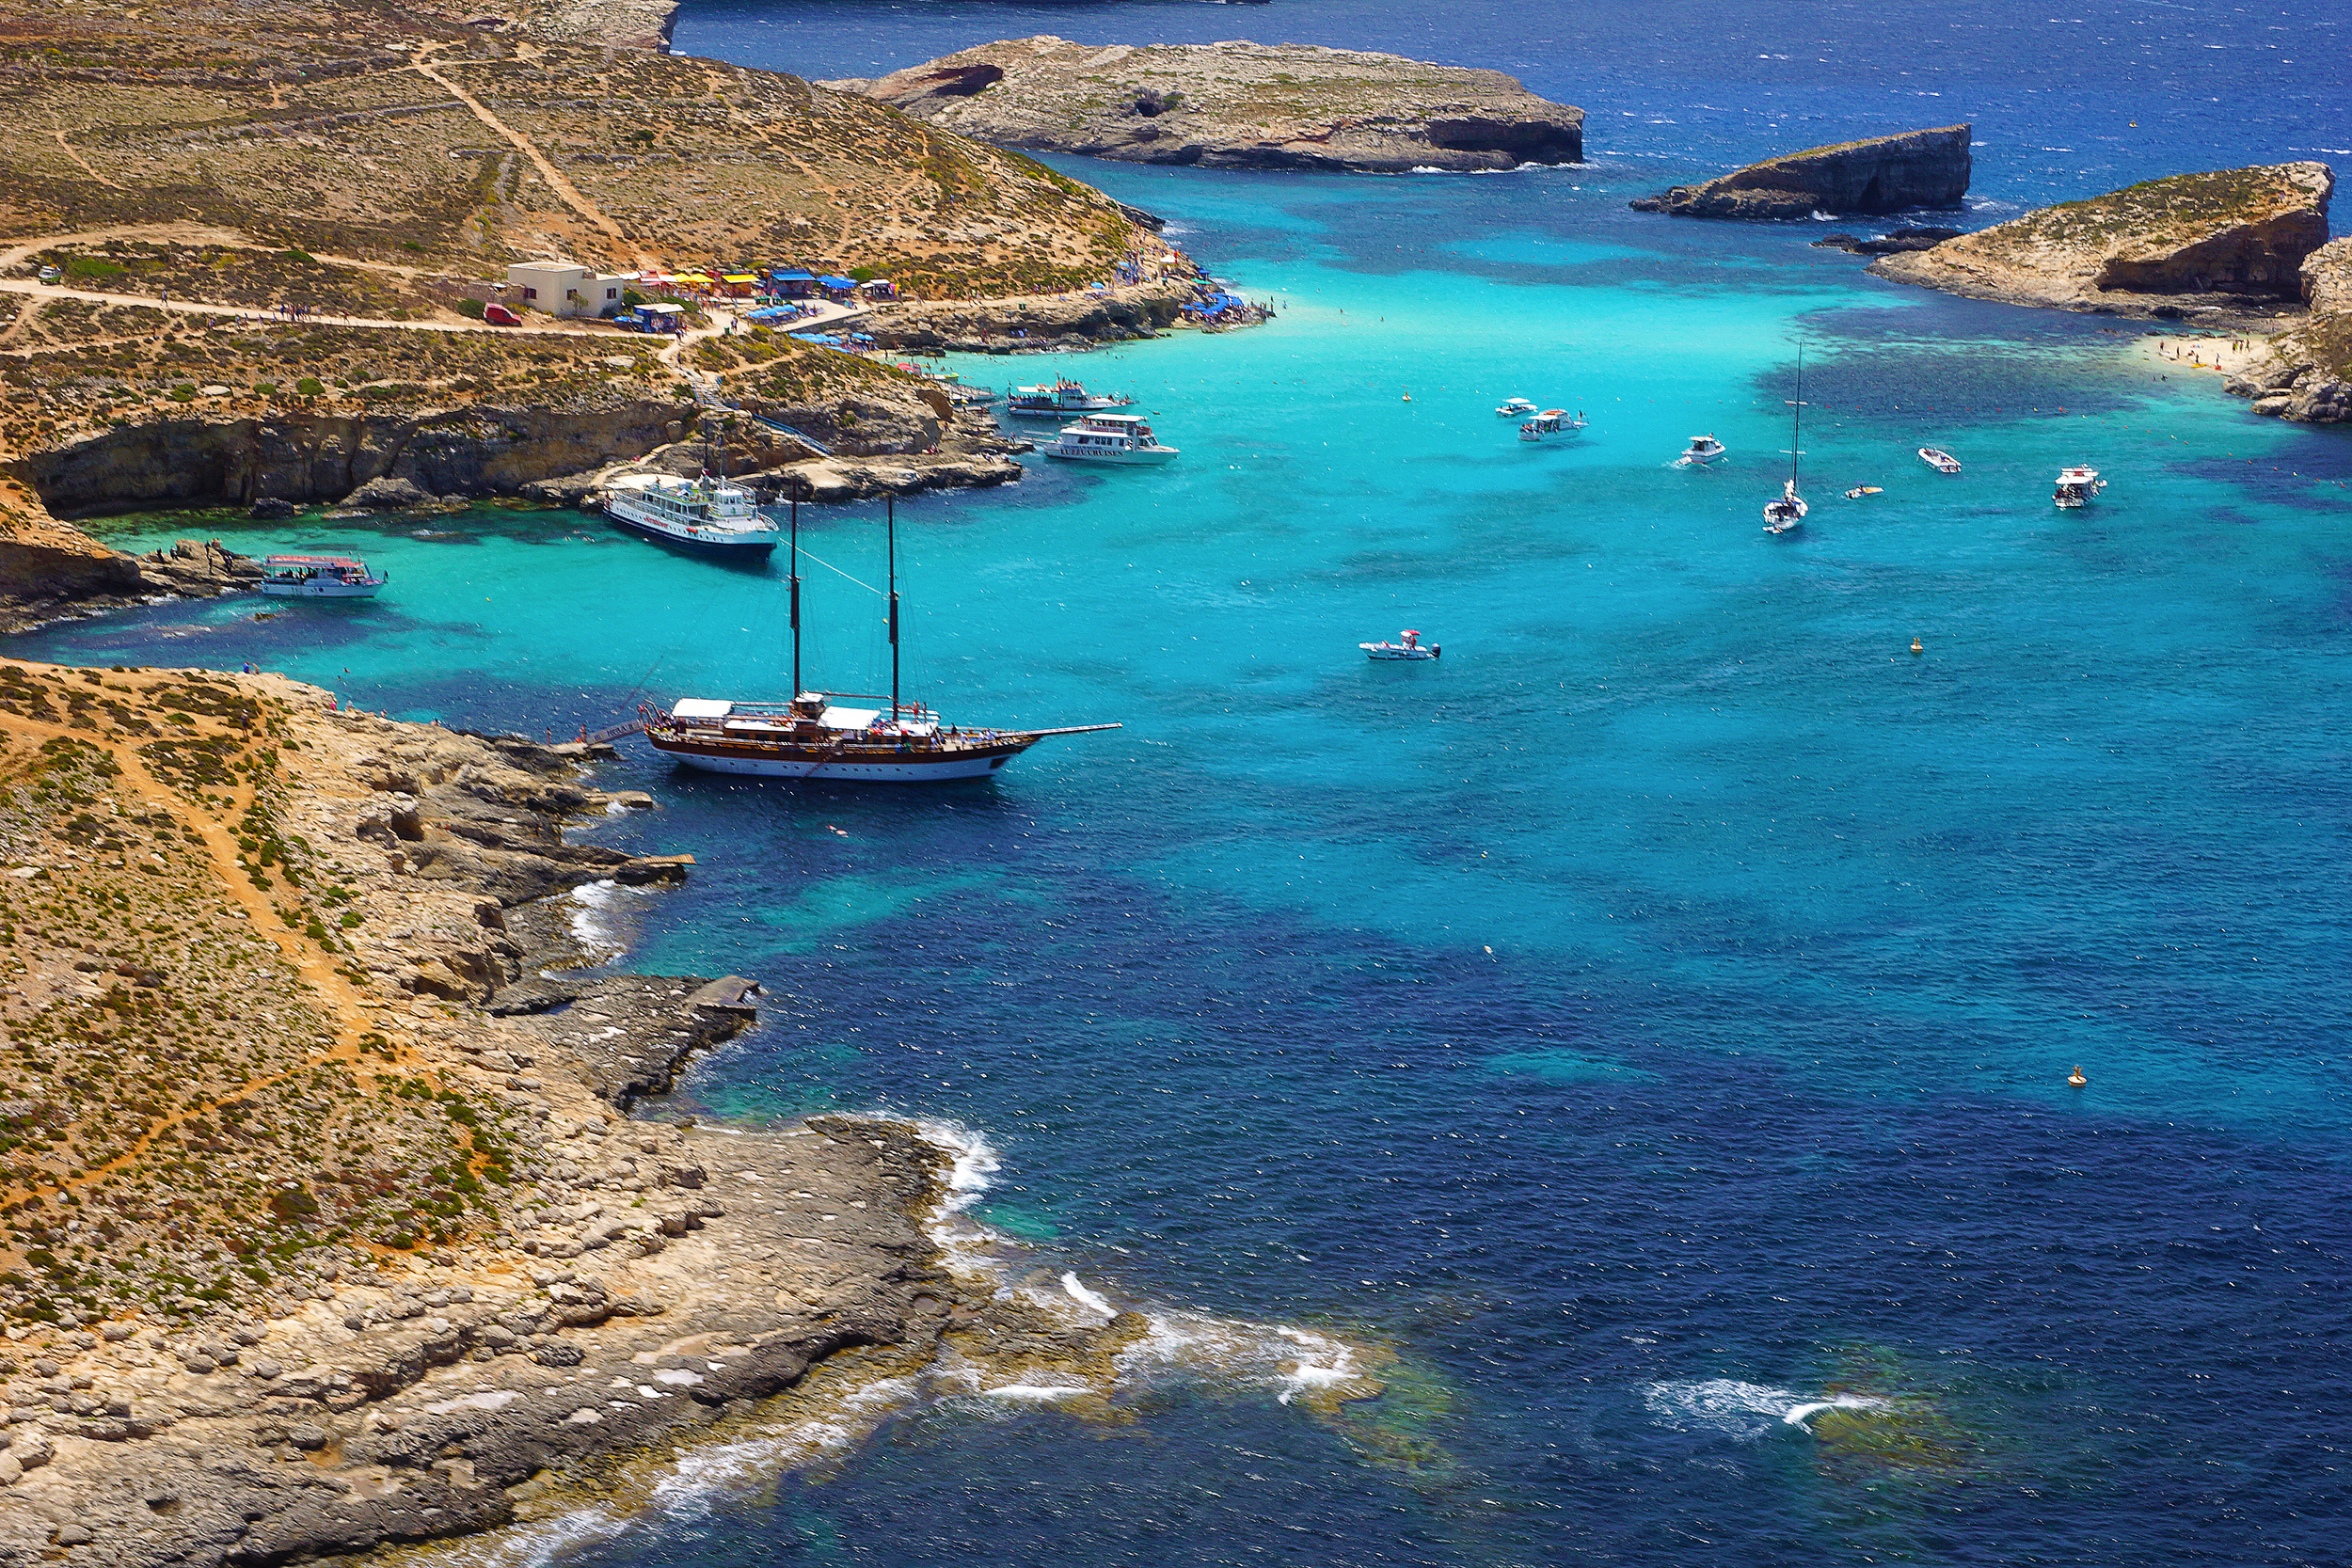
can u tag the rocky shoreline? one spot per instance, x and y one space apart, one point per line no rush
638 1281
1235 105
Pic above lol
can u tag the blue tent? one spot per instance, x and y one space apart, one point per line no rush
792 274
838 283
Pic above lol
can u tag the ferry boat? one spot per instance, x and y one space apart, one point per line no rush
1702 450
1060 399
1941 461
837 736
320 576
1787 513
1515 408
1411 647
1109 438
705 512
1551 422
2078 487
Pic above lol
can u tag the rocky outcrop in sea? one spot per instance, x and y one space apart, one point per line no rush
1875 175
2218 244
1235 106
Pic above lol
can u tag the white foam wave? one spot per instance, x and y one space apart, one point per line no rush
1038 1391
1084 1297
1739 1409
594 922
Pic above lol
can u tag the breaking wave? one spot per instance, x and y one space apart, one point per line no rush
1743 1411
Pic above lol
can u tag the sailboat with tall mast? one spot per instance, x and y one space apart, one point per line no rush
837 736
1787 512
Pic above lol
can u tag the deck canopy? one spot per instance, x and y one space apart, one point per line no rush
701 707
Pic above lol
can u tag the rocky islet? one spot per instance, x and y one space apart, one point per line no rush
1235 105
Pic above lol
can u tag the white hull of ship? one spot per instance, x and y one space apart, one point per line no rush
973 764
321 590
1144 455
730 541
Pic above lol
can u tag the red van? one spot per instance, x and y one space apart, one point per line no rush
498 315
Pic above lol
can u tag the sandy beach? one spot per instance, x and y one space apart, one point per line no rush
2220 353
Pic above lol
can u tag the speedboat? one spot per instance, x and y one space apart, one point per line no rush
2078 486
1941 461
1860 490
1109 438
1702 450
1551 422
1411 647
1515 408
319 576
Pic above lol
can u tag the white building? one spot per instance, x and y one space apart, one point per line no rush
567 289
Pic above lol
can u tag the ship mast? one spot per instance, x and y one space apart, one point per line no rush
891 528
795 579
1796 420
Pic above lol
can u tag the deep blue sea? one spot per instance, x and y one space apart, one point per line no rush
1650 1019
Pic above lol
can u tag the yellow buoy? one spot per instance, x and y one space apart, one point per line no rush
2075 1079
1917 647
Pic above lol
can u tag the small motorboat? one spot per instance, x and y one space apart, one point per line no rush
1702 450
1860 490
1515 408
2078 487
319 576
1551 422
1941 461
1411 647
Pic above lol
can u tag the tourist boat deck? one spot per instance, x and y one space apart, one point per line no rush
1411 647
1551 422
320 576
1109 438
2078 487
705 512
1702 450
1060 399
1941 461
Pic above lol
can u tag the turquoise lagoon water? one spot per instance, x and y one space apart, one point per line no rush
1647 1020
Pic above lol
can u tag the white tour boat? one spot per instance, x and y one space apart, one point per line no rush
320 576
1062 398
1411 647
835 736
1786 512
1515 408
1551 422
1702 450
1941 461
2078 486
1109 438
705 512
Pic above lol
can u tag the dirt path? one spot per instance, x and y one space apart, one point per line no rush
244 312
319 969
563 188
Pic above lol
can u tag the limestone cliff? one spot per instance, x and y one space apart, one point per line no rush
2307 375
1235 106
1875 175
2233 235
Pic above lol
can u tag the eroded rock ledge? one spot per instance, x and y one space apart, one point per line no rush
624 1285
1235 106
2231 238
2306 375
1874 176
